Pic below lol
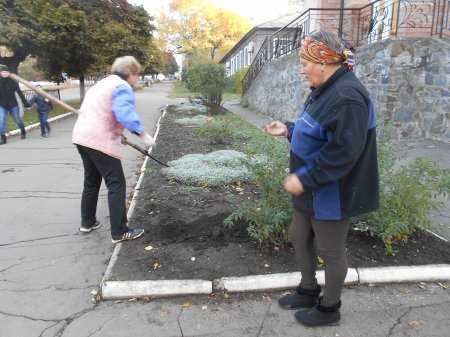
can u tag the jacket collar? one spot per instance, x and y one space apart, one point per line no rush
316 92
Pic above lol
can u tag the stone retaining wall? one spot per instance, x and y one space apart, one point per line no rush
409 81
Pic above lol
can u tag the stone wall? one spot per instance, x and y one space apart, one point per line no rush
408 79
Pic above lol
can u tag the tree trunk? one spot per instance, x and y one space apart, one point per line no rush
82 88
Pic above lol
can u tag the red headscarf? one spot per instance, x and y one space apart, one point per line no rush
319 52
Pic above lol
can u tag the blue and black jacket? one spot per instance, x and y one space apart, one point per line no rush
334 151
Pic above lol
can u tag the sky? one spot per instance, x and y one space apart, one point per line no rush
257 11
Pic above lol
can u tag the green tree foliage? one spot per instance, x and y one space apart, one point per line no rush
78 37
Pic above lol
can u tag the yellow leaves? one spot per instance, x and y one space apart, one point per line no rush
415 324
187 304
199 25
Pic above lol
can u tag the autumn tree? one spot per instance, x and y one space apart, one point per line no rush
197 25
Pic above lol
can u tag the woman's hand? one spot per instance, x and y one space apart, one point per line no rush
293 185
276 129
147 139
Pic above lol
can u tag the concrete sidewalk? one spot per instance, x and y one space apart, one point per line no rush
47 268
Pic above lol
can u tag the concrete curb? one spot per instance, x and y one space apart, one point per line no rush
270 282
131 207
160 288
273 281
403 274
37 125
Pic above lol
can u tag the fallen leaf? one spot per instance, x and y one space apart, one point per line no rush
148 248
204 307
443 285
187 304
134 299
193 258
118 302
267 265
94 292
321 261
156 265
146 299
415 324
422 285
226 296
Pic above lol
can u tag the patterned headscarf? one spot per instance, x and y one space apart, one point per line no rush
319 52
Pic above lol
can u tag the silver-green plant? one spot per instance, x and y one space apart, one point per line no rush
196 120
212 169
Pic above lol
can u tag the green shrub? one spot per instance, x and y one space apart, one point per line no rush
208 79
269 216
234 84
217 130
407 196
408 193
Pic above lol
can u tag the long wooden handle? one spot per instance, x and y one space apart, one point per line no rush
72 109
41 92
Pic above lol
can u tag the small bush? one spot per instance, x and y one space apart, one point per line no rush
208 79
217 130
234 84
408 195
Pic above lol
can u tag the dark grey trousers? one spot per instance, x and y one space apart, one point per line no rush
327 239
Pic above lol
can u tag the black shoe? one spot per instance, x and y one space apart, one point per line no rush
87 229
3 140
130 235
302 298
44 135
23 135
319 315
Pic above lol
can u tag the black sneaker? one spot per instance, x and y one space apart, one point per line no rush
85 229
320 315
301 298
130 235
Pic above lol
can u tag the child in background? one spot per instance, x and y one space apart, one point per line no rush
43 107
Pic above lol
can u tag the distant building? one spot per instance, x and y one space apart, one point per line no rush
243 53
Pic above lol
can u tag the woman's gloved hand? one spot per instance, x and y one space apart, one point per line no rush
147 139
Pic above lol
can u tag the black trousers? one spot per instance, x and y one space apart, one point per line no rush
98 165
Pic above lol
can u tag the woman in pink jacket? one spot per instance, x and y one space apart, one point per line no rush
108 108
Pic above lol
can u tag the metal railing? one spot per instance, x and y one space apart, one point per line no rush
374 22
30 93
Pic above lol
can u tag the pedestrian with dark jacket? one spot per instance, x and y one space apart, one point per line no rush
43 107
8 103
333 173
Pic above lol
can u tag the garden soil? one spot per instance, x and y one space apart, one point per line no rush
185 237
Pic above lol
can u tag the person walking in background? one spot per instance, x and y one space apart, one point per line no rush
108 108
43 107
333 173
8 103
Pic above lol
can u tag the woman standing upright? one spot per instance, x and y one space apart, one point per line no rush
333 173
108 108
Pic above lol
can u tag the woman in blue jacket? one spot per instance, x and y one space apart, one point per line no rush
333 173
